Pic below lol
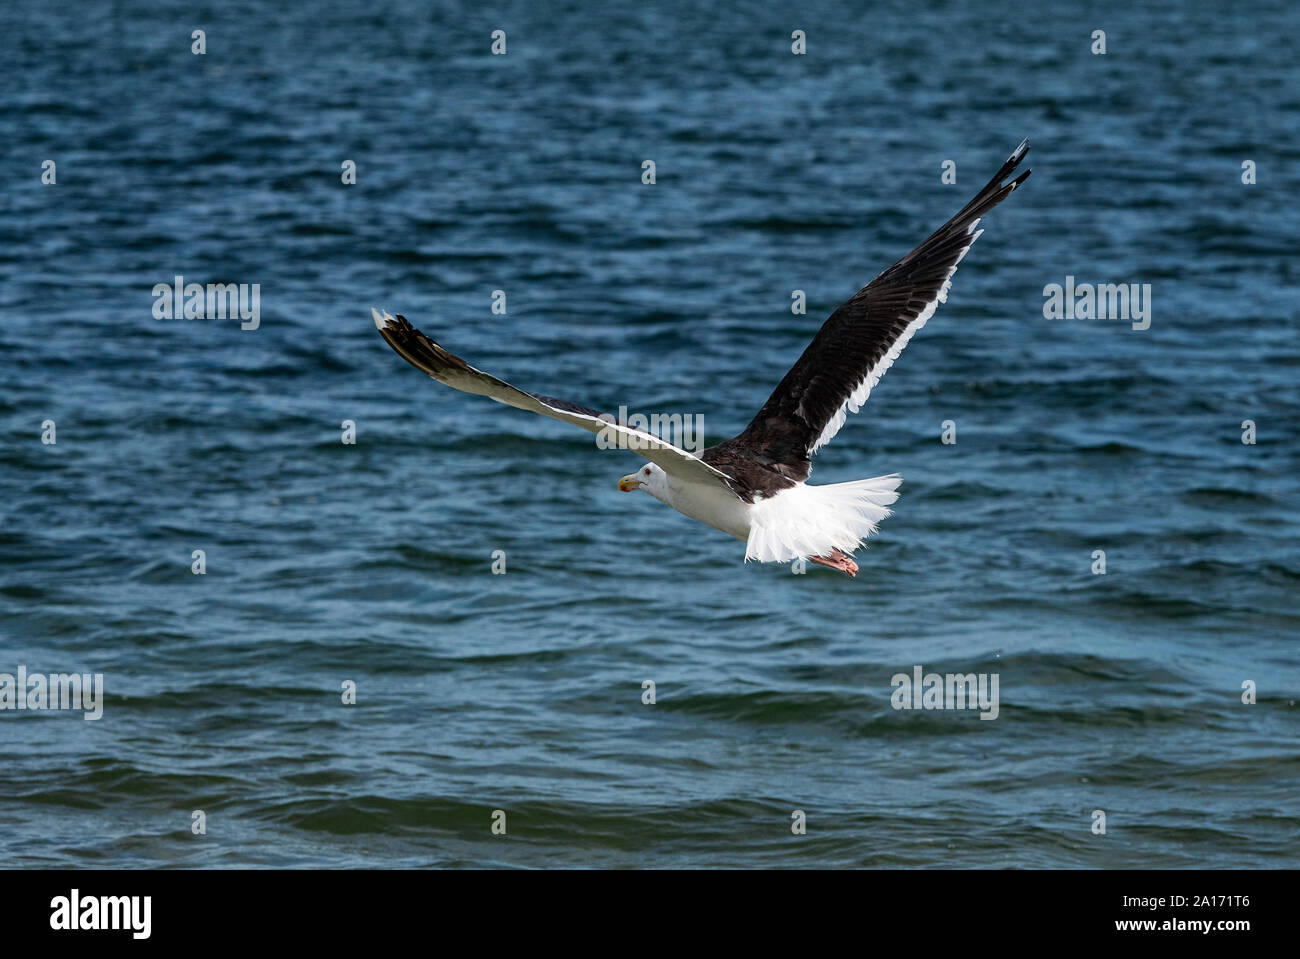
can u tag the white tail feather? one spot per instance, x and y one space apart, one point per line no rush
805 521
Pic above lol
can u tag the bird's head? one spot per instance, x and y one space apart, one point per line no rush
649 478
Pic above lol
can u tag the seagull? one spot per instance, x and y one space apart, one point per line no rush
754 485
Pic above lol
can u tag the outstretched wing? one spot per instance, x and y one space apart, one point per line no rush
862 338
426 355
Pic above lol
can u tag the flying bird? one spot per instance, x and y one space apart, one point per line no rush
753 486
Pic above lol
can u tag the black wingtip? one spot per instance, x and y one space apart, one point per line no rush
1013 161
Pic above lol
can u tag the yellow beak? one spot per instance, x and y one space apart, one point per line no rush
628 483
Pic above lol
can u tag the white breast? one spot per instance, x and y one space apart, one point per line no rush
711 504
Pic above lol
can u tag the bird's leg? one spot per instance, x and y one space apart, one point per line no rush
837 560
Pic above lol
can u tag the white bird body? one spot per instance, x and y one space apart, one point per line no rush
798 521
709 503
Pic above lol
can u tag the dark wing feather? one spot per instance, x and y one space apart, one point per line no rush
853 349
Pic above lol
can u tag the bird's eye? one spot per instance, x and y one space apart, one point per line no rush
646 471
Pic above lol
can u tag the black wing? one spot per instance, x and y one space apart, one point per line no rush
854 348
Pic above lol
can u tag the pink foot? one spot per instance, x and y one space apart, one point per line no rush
838 560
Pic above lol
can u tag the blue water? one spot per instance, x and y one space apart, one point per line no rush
372 562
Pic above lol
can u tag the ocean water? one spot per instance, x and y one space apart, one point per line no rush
371 563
